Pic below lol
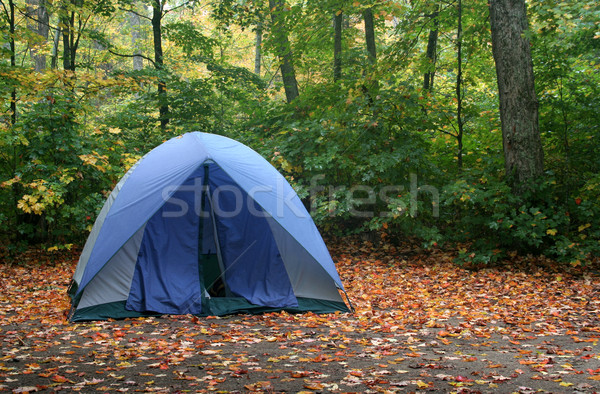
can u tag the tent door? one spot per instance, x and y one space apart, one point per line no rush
166 277
209 256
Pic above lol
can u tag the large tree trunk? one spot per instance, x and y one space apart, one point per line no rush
38 23
523 154
163 105
284 51
431 53
338 18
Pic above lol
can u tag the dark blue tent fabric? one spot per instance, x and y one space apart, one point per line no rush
253 266
166 277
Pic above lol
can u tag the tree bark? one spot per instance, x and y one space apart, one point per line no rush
258 49
163 105
523 153
284 51
431 53
39 23
338 18
370 35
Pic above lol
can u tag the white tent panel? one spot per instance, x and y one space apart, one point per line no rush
114 281
308 277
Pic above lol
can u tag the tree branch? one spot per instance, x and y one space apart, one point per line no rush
179 6
135 13
28 16
5 10
124 55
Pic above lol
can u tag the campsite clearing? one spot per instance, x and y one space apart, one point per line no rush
422 325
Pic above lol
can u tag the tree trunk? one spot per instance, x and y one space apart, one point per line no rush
338 18
136 38
523 154
370 35
70 35
431 53
13 59
39 23
66 29
258 50
371 85
459 80
56 42
284 51
163 105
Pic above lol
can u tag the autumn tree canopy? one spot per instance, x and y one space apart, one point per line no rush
396 119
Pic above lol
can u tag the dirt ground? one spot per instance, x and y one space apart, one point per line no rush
421 325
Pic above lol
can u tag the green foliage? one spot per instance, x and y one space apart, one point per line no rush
485 213
333 145
189 39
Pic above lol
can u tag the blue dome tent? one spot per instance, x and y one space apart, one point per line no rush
203 225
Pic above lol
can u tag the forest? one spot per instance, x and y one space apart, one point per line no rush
453 124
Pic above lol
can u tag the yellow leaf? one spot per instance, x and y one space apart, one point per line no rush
583 227
422 384
565 384
551 231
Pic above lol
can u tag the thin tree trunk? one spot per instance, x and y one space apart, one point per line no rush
13 59
163 105
459 78
523 153
338 18
135 23
371 85
431 53
56 42
288 74
258 49
68 21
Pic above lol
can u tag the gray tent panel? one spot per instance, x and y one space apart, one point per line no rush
308 277
114 281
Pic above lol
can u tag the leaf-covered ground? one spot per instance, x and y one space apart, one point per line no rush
421 325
